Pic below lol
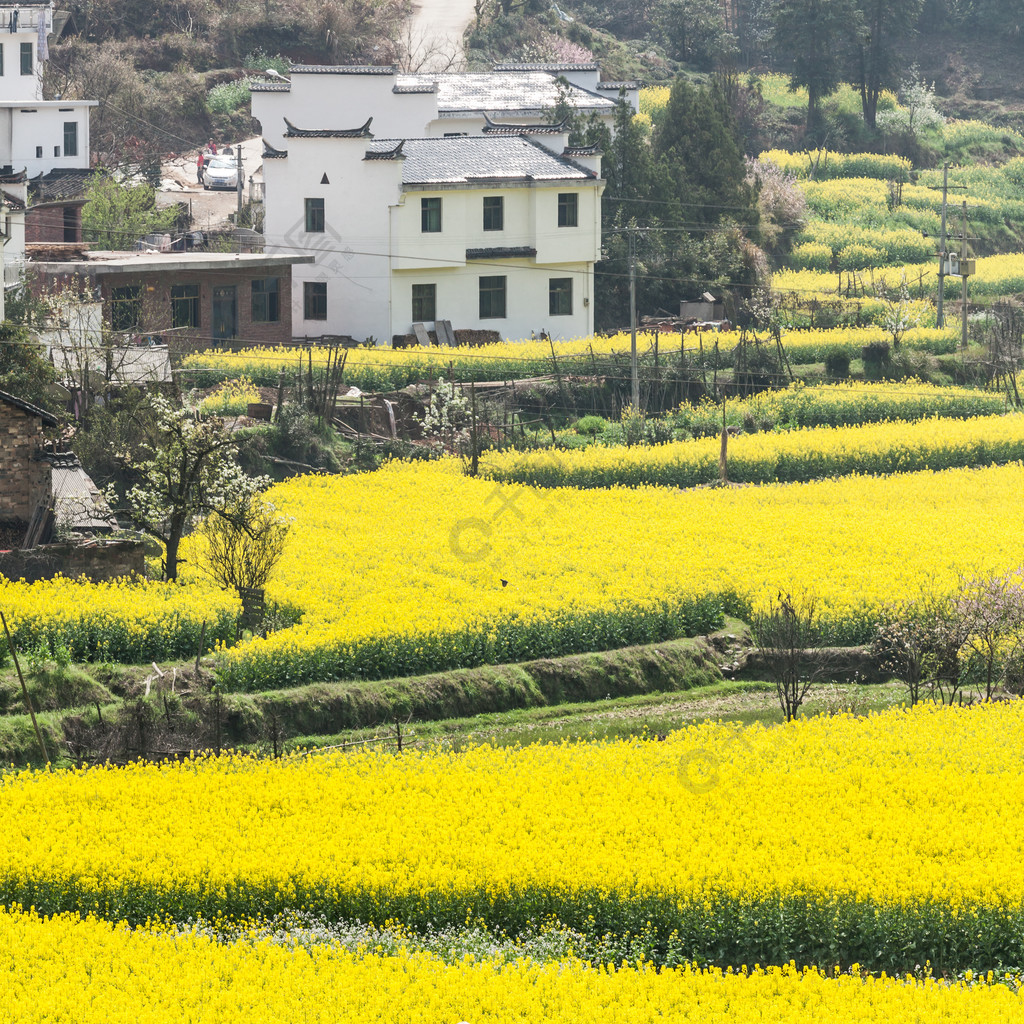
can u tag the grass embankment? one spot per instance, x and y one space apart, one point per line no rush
329 709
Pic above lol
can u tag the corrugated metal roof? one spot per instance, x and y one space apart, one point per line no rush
476 158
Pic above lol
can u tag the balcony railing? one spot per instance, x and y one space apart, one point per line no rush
14 273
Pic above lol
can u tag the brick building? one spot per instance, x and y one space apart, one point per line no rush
55 201
25 476
186 299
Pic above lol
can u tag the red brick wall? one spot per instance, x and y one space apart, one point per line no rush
156 303
24 480
46 224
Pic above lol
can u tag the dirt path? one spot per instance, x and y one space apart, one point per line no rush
209 209
435 33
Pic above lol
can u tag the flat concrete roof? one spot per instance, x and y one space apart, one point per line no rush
32 104
148 262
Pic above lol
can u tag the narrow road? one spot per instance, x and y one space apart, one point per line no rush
435 34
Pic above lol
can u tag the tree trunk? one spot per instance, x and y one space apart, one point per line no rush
812 107
171 557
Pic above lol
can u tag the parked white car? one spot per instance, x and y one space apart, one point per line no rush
221 172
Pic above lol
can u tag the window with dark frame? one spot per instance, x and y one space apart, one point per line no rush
2 48
492 298
26 58
494 213
70 224
314 300
430 214
424 302
184 305
315 219
560 296
125 308
568 210
266 302
71 138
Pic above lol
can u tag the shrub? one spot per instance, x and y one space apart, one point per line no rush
227 97
837 363
877 358
860 257
591 425
812 256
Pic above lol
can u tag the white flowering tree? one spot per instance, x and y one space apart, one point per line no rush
188 472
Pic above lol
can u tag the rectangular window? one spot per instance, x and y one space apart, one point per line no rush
266 304
26 58
315 215
71 224
71 138
314 300
424 302
494 213
184 305
125 308
2 48
39 152
430 214
492 298
568 209
560 296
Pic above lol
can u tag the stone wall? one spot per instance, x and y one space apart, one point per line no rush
24 478
100 560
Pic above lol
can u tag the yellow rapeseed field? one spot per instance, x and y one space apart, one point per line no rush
893 447
123 620
745 844
381 369
402 571
91 972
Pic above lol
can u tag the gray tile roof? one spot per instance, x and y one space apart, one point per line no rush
362 132
616 86
467 159
34 410
502 91
62 183
341 69
497 128
256 86
551 69
508 252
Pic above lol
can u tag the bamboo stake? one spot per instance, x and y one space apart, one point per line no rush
24 690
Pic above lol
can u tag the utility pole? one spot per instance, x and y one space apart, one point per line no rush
963 279
634 376
238 175
939 318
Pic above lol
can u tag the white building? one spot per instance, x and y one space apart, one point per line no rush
13 192
36 135
498 231
428 105
456 208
